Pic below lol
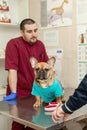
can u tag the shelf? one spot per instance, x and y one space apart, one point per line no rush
2 58
8 24
83 44
82 61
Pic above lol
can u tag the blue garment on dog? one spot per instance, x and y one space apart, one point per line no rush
48 94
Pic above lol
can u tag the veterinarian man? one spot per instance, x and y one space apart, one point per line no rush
20 72
77 100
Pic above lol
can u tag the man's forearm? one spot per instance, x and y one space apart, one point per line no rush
12 80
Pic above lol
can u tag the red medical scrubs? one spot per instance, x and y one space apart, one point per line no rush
18 53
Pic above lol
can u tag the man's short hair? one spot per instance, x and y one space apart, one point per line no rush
26 21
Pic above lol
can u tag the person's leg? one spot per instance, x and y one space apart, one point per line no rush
17 126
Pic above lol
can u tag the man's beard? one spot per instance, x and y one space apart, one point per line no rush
32 40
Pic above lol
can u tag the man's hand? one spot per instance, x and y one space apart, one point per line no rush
58 114
10 97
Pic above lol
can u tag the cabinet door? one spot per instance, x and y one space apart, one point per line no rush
5 123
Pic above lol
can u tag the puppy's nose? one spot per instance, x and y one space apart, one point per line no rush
42 75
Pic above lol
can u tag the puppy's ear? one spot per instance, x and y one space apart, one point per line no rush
51 61
33 61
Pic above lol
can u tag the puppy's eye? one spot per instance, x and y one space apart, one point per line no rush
37 69
46 69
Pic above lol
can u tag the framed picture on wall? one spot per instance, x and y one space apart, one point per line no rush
56 13
51 37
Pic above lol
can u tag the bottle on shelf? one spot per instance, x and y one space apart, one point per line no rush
82 40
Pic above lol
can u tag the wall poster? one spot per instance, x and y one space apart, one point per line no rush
51 38
58 54
56 13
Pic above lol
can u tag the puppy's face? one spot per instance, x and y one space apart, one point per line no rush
42 70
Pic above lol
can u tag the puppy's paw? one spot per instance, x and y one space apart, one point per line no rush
37 104
59 100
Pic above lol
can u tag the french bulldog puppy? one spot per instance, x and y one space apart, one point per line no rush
46 87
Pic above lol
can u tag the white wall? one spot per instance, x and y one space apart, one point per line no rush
67 40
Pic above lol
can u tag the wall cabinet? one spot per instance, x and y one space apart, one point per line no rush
5 123
82 60
18 10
